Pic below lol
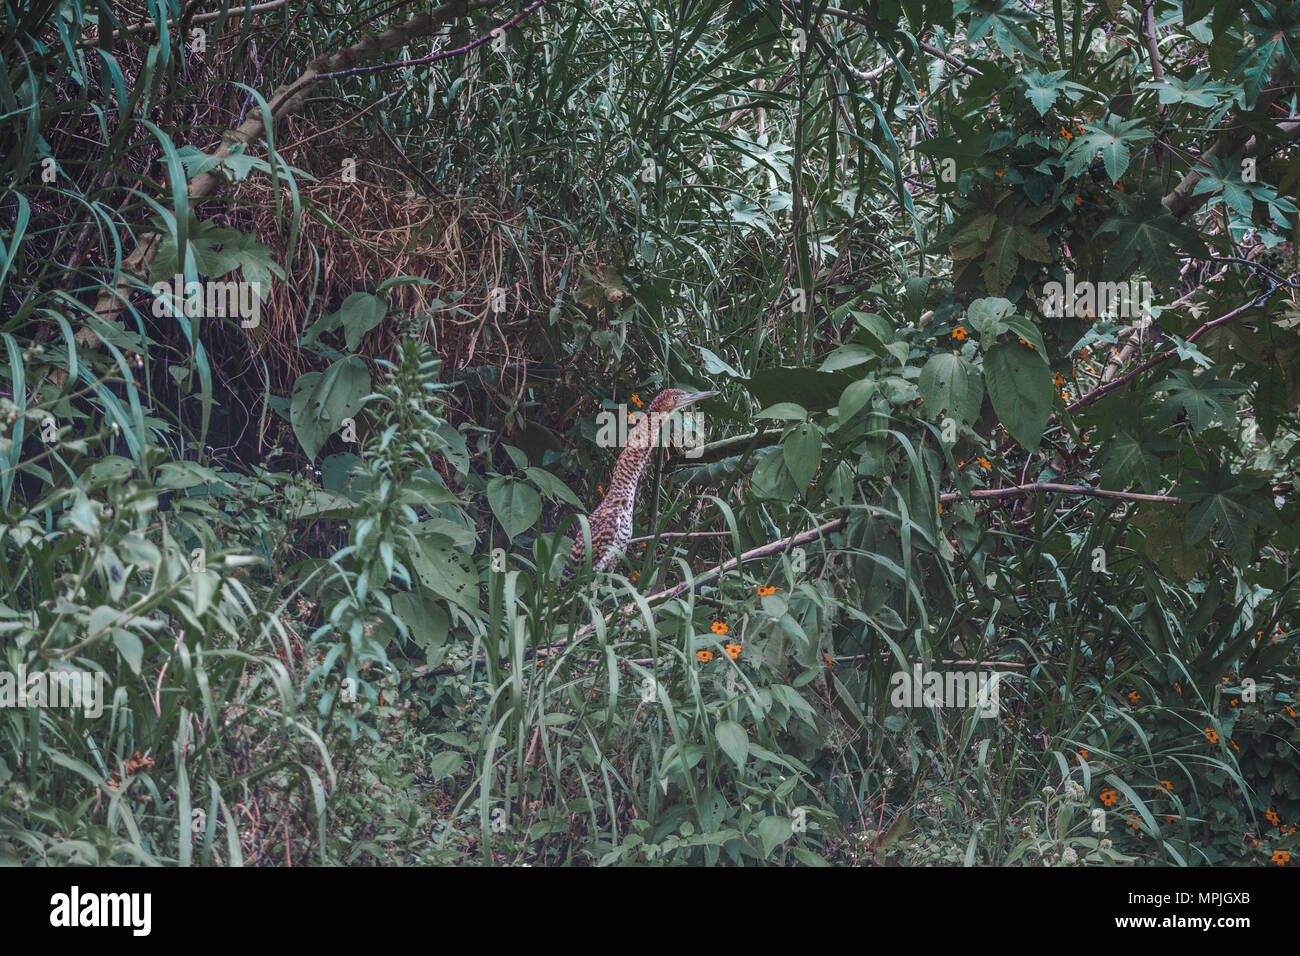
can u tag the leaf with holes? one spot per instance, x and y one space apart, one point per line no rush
321 400
950 384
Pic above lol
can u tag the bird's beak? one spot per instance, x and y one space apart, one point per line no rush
694 397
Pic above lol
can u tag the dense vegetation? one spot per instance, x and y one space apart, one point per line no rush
308 523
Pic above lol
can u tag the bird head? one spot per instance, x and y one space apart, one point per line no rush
671 399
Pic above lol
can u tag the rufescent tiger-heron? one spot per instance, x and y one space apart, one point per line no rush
611 523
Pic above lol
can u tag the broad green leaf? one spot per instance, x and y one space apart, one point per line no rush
803 453
321 400
1114 138
516 505
1204 397
773 831
359 313
1021 389
733 740
949 384
784 410
855 397
444 764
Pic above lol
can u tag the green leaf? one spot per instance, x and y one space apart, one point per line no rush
1126 459
516 505
803 453
784 410
321 400
359 313
846 356
1042 89
855 397
448 573
1021 389
1114 138
773 831
1153 237
552 487
1204 397
733 740
130 648
950 384
444 764
1224 502
986 315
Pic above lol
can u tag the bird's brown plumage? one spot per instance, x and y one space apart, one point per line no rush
611 522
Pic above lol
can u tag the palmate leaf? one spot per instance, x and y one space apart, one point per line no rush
1204 398
1003 234
1153 237
1129 459
1218 176
1043 89
1114 138
1227 504
1006 22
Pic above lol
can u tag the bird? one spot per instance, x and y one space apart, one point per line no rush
611 522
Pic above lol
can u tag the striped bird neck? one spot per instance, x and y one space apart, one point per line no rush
633 460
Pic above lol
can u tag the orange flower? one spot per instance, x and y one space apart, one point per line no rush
1058 380
1211 735
1167 784
829 663
719 628
634 576
1109 797
984 463
1234 746
1084 754
767 589
1281 857
704 656
959 333
1272 817
1178 687
1134 697
1077 200
1289 709
1027 343
637 402
941 507
733 650
1084 353
1170 819
1234 702
1065 396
